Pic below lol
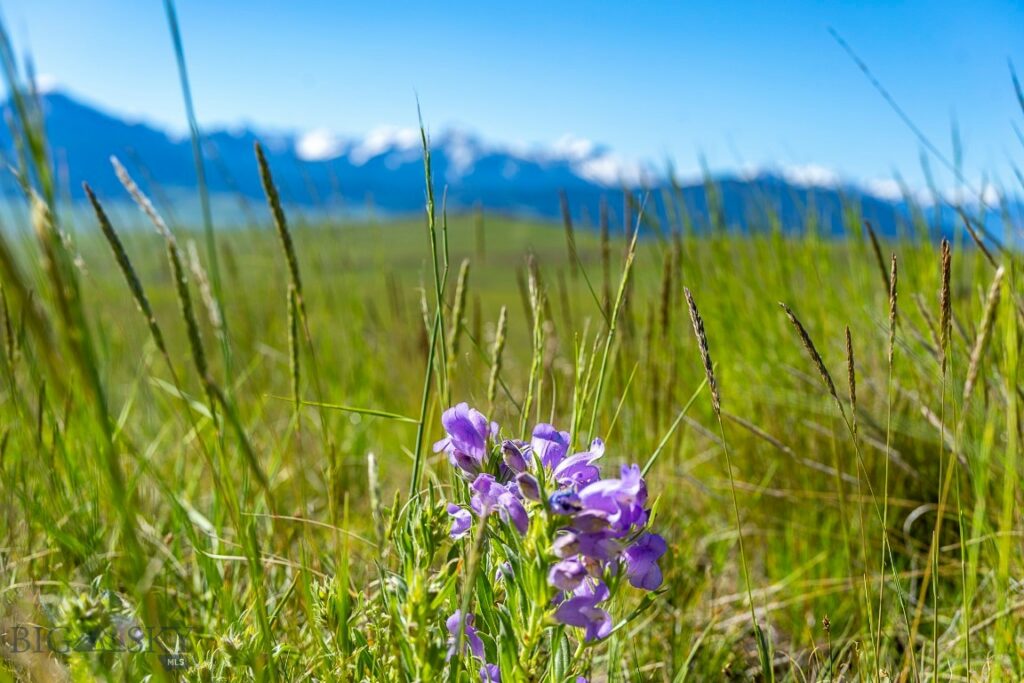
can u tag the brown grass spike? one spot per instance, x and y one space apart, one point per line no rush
705 354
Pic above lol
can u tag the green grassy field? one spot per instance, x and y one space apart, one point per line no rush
216 454
287 581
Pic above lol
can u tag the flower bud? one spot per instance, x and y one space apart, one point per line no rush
467 463
528 486
515 459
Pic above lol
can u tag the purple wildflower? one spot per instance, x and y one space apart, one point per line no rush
620 501
466 443
582 611
470 637
462 520
602 529
490 495
598 545
486 492
489 673
642 561
579 470
567 574
550 444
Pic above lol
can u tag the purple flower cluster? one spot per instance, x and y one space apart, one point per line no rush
605 528
467 445
600 523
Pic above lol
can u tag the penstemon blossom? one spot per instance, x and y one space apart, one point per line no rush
558 539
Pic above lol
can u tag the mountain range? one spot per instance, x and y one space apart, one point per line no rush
384 170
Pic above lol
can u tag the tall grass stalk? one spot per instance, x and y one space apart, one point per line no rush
417 464
197 150
298 317
438 259
458 315
767 668
1011 371
893 319
826 378
216 397
612 324
496 357
534 384
62 273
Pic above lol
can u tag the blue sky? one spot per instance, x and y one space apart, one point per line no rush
744 84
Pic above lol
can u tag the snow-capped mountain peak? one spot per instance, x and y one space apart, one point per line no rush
320 165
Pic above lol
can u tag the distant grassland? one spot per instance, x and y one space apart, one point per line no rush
811 507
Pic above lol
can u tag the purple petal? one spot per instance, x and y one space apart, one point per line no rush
589 522
599 545
574 612
577 470
462 520
465 462
567 575
486 493
566 545
594 590
476 646
550 444
467 435
599 626
582 611
642 561
512 510
528 486
620 501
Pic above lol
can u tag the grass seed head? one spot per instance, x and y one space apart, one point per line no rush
458 311
876 248
893 279
139 197
812 351
851 376
280 222
496 354
945 307
127 269
205 288
705 353
293 343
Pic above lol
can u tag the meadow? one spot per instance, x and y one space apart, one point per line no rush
217 463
